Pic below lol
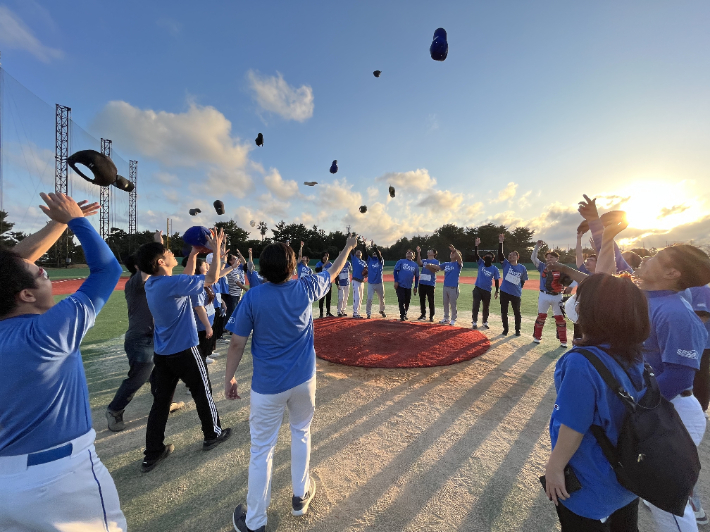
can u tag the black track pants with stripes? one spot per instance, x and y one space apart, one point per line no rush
188 367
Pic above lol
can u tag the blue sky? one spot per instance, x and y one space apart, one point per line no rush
536 104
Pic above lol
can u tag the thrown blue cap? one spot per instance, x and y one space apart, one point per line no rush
196 236
439 48
701 298
334 167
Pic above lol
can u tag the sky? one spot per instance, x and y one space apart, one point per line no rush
536 104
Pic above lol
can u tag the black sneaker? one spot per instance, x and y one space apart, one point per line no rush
431 318
299 505
329 315
517 333
239 520
115 420
505 333
402 318
208 445
383 314
149 465
321 314
422 317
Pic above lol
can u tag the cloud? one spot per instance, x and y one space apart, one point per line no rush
273 94
696 232
416 180
612 202
432 122
14 33
507 193
280 188
166 178
441 200
172 26
524 200
556 225
676 209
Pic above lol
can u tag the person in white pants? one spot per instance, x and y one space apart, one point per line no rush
343 289
279 316
359 271
375 267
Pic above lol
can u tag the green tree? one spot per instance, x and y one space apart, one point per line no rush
262 229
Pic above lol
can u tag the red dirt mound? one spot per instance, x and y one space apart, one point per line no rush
395 344
69 286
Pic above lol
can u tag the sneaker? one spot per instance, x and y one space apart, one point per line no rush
368 316
321 314
421 318
115 421
357 316
444 321
517 333
214 354
402 318
176 406
208 445
700 516
474 325
504 333
329 314
343 314
431 319
149 465
209 360
485 325
239 520
562 344
536 340
340 315
452 322
299 505
382 313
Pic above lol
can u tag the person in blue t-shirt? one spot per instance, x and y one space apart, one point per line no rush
375 267
177 354
614 333
302 268
511 289
359 270
700 296
50 475
203 307
278 315
588 264
452 272
588 210
406 274
487 274
427 283
343 289
321 266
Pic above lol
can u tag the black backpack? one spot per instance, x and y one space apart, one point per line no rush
655 457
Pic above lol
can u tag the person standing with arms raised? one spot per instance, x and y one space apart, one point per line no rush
511 289
487 273
427 283
452 272
278 315
359 267
375 266
406 273
321 266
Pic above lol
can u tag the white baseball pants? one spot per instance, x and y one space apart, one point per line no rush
373 289
343 293
545 301
72 493
265 418
358 290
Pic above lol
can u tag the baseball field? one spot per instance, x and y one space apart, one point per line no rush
456 447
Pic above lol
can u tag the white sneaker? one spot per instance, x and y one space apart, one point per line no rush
215 354
452 323
444 321
474 325
563 345
536 340
209 361
485 325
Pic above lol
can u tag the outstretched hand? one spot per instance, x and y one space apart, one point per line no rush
351 242
89 209
501 238
588 208
215 240
60 207
614 228
478 242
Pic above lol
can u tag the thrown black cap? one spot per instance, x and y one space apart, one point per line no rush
219 207
195 212
377 73
260 140
583 227
363 209
391 191
100 165
123 184
334 167
439 48
310 183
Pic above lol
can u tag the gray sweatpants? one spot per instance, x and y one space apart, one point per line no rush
451 296
373 289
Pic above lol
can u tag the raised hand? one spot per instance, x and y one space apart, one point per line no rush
89 209
60 207
301 244
478 241
419 250
215 240
501 238
540 243
351 241
588 208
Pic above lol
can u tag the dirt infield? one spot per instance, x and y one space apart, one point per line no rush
395 344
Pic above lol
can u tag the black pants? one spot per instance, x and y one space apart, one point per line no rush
701 383
327 301
231 302
404 296
479 294
514 301
623 520
217 327
139 351
205 347
426 293
188 367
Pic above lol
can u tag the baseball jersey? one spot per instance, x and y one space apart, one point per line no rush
452 271
357 266
44 395
486 275
374 270
200 300
513 278
427 277
280 319
406 273
344 275
303 269
169 302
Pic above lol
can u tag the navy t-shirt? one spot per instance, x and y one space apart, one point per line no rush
281 319
583 400
513 278
486 275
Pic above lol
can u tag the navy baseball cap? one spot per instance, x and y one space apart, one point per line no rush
100 165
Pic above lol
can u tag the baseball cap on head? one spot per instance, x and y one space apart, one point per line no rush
100 165
583 227
123 184
219 207
439 48
196 236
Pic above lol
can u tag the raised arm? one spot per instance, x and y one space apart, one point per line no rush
300 252
191 262
419 257
579 255
214 242
536 249
501 255
573 274
477 243
337 266
459 258
606 261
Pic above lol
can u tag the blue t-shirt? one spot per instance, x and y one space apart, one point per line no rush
513 278
323 267
374 270
452 271
677 334
427 277
584 270
406 273
281 319
543 279
583 400
597 229
44 398
358 265
221 286
254 278
700 301
486 275
200 300
169 302
302 270
344 275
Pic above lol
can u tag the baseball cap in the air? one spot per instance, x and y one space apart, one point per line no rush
100 165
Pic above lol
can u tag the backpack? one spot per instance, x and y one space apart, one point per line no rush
655 457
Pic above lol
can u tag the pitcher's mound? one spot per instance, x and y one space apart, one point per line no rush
395 344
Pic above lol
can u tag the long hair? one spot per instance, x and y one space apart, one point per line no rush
277 262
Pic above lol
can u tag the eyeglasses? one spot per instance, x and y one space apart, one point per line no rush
42 273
